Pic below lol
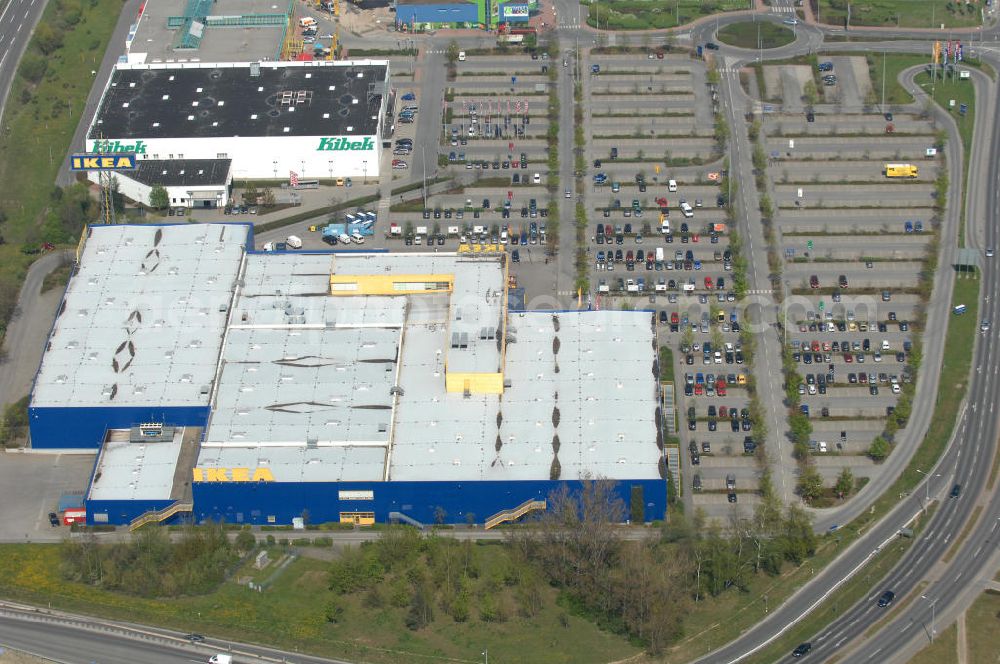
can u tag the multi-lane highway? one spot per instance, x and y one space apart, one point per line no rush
17 21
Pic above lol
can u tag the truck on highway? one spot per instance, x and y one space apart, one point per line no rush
220 658
900 171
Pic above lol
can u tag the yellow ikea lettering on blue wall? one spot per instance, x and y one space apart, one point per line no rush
102 162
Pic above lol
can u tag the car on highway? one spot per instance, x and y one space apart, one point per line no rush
956 491
887 598
712 46
802 649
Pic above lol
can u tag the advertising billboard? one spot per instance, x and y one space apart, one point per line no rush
102 162
520 12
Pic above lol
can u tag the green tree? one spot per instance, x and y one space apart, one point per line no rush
810 94
158 199
451 53
800 427
48 38
845 483
810 484
421 611
879 449
687 338
33 66
245 541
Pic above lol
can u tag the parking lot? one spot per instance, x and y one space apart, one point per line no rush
32 485
658 239
854 243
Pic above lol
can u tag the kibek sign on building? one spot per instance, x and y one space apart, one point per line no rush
340 143
106 146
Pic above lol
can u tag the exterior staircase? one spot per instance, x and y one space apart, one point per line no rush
158 516
515 513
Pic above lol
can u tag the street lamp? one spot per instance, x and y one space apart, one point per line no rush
364 163
927 486
486 655
933 613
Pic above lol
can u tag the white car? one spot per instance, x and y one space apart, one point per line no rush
791 21
537 179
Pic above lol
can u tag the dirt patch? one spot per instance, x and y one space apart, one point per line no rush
312 579
788 81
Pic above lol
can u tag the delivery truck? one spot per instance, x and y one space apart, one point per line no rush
220 658
900 171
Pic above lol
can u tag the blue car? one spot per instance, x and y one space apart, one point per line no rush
524 237
908 226
600 178
805 409
409 96
697 265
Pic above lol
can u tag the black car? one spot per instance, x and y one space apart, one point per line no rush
731 497
712 46
801 649
54 519
515 256
886 599
194 638
956 491
663 318
810 117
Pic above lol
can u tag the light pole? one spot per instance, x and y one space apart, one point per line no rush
927 486
364 164
486 655
933 613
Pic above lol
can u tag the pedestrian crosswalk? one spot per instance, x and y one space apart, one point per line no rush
760 291
783 10
728 70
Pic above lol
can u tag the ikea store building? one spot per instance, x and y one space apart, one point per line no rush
217 382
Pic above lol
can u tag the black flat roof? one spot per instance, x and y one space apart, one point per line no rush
181 172
285 99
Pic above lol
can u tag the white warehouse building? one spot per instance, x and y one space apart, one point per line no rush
318 119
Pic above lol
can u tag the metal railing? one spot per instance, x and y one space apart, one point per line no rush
157 516
514 514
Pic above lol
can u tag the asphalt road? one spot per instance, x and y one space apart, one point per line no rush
73 639
27 333
17 22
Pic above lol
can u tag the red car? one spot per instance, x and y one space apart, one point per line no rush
661 201
674 318
708 283
848 358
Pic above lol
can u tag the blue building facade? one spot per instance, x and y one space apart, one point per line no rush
439 13
66 427
427 502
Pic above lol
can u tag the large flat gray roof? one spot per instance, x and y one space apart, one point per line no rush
143 317
606 400
154 41
301 464
136 471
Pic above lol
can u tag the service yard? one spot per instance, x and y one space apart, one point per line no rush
853 243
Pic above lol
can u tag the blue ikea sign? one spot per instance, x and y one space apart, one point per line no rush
102 162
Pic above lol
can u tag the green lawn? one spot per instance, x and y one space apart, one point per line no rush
962 92
292 614
42 118
646 14
750 34
942 651
666 364
893 65
904 13
982 622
